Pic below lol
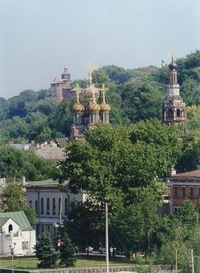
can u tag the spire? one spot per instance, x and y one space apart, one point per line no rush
173 87
77 90
173 107
103 92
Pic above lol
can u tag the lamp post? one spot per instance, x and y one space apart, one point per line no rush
106 235
12 247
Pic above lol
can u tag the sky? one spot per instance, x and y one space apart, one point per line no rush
38 38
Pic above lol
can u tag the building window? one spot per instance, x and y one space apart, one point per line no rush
178 112
36 206
10 228
60 207
42 205
183 192
170 113
175 191
191 192
25 245
54 206
198 192
48 205
66 206
30 203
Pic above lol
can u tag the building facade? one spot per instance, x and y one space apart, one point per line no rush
173 107
61 86
50 204
185 186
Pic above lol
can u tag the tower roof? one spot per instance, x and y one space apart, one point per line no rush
172 65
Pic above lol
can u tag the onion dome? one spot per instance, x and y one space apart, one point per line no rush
94 107
105 107
78 107
172 65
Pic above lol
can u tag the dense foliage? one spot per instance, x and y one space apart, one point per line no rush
125 167
16 164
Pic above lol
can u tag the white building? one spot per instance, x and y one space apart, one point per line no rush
50 204
16 234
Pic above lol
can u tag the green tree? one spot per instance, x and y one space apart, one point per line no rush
13 198
67 249
16 164
62 118
45 253
122 165
141 100
89 218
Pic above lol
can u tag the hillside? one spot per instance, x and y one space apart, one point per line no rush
134 95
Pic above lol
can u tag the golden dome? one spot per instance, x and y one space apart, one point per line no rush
78 107
105 107
94 107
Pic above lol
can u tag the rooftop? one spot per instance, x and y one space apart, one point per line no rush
19 217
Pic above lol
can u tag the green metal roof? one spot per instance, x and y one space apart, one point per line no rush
42 183
19 217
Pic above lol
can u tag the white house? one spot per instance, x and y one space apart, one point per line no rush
50 204
16 234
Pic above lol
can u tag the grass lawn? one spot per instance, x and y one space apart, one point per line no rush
82 261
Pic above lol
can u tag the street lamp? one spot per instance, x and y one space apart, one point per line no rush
12 247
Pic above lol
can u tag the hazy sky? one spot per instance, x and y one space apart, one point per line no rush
39 37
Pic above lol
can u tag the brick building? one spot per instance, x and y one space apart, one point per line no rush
185 186
61 86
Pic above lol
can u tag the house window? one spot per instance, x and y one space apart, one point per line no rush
191 192
175 191
10 228
25 245
66 206
42 205
54 206
30 203
48 205
183 192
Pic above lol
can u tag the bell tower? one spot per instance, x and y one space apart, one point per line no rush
173 107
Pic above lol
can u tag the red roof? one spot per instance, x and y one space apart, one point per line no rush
195 173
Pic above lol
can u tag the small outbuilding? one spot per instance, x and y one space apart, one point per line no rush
16 234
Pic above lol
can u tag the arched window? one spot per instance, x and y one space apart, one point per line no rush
54 206
191 192
10 228
170 113
178 112
183 192
48 205
60 208
42 205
